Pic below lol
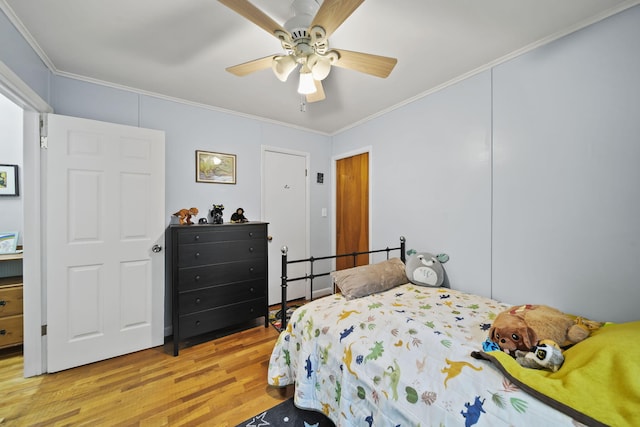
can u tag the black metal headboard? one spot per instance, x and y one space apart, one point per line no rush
312 275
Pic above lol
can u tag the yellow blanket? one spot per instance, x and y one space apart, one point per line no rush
599 382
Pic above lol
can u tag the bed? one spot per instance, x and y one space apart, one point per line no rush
413 356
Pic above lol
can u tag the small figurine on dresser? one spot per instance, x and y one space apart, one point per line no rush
184 215
238 216
216 214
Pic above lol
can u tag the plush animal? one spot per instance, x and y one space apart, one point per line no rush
425 269
184 215
546 355
238 216
521 327
216 214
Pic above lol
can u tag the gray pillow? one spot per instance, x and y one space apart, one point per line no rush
365 280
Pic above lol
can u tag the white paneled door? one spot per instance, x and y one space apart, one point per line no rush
285 208
104 234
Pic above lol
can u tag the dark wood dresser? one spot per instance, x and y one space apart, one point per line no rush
218 276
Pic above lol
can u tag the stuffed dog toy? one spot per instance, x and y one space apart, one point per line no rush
522 327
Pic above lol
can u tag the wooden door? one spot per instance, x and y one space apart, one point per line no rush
104 229
352 209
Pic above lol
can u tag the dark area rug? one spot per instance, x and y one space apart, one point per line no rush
286 414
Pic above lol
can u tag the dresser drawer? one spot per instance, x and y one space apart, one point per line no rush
190 278
220 252
216 318
227 233
217 296
10 300
10 330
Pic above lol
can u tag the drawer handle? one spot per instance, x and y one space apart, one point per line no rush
197 300
3 303
197 323
197 254
196 237
250 234
252 290
3 332
197 278
251 270
250 249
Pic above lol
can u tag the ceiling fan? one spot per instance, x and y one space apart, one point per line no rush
304 37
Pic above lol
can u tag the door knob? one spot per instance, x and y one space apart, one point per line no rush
269 238
156 248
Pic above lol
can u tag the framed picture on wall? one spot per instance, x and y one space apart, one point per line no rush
9 180
216 168
8 242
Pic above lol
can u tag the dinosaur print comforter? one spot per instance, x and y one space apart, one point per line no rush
401 358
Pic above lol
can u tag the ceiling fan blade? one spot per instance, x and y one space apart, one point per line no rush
379 66
241 70
333 13
318 95
253 14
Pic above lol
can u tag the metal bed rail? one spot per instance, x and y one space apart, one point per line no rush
312 275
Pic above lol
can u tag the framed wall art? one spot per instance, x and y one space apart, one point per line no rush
8 242
216 168
9 180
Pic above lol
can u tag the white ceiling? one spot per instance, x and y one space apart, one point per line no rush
180 49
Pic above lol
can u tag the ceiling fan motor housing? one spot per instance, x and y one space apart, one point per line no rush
303 13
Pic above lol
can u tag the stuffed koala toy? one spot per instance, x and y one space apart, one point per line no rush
522 327
425 269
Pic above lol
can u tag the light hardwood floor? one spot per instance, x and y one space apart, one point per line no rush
215 383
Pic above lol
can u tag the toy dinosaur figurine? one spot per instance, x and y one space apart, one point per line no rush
184 215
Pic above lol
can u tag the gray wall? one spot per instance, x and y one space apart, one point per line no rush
526 175
431 178
566 224
189 128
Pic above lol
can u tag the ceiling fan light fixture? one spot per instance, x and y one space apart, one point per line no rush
320 65
306 85
283 66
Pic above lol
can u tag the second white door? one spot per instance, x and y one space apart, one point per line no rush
285 204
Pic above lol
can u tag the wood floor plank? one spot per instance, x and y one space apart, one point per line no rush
216 383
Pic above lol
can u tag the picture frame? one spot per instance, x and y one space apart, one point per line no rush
8 242
215 168
9 180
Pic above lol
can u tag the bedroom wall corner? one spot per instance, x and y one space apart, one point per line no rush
566 198
431 179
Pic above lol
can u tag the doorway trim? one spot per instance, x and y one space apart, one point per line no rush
34 344
334 192
307 219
